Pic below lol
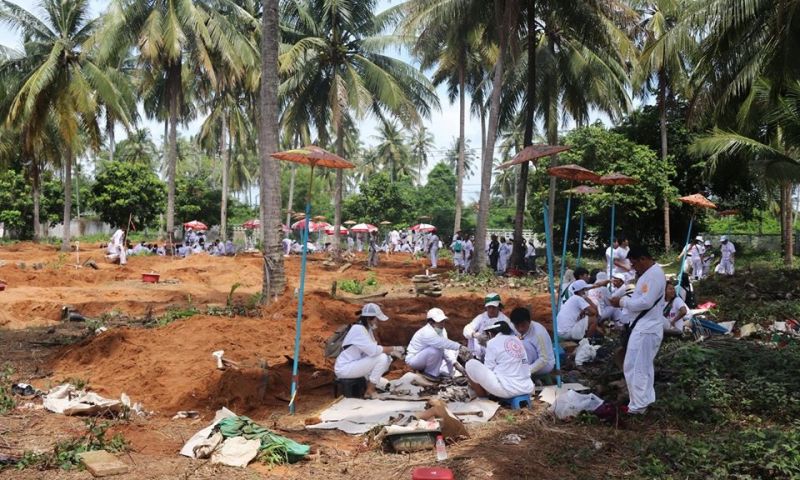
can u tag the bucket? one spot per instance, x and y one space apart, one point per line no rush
150 277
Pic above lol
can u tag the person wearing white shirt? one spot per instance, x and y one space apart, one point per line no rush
530 255
727 251
505 372
474 330
675 311
394 240
287 246
647 304
116 248
361 355
503 254
430 351
578 316
433 249
469 252
457 246
621 263
610 257
537 342
695 253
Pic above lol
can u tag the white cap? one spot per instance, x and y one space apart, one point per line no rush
372 310
708 242
492 300
601 276
618 276
724 238
437 315
699 238
579 285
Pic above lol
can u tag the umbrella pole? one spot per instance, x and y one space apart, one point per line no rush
301 294
611 244
564 250
580 243
684 255
549 249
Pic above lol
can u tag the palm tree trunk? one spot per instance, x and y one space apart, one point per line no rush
65 235
112 144
786 223
290 201
226 165
173 86
504 12
36 194
337 195
662 110
268 142
518 254
460 164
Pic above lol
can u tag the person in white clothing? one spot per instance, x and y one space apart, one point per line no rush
433 249
361 355
675 311
610 257
505 373
621 263
577 318
727 251
287 246
503 254
537 342
430 351
647 330
117 249
458 252
474 330
708 257
696 252
469 252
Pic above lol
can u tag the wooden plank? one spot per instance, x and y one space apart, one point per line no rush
100 463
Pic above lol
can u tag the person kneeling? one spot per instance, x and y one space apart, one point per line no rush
505 372
536 340
361 355
430 351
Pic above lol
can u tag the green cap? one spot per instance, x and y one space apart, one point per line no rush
492 300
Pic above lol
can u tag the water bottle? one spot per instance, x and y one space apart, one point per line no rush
441 451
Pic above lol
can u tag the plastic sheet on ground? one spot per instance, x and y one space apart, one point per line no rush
201 436
549 393
68 400
570 403
356 416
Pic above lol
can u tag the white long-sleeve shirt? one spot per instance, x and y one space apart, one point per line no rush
727 250
649 290
506 357
427 336
479 323
539 349
357 344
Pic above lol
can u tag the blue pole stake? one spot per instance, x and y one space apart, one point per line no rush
564 251
580 242
549 243
683 260
298 324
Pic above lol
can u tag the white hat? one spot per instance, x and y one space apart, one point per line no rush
492 300
579 285
618 276
437 315
699 238
724 238
372 310
601 276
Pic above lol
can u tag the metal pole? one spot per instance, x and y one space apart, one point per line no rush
611 245
580 243
549 249
564 252
301 294
685 255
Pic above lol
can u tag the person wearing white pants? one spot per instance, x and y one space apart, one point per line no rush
117 249
474 330
505 372
433 249
727 251
647 305
361 355
430 351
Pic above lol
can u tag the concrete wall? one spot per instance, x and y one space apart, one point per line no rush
80 227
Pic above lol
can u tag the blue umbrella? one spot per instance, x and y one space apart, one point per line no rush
312 156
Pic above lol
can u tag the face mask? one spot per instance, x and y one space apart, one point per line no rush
438 329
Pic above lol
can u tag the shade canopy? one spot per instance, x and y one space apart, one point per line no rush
254 223
574 173
329 230
533 152
583 190
318 226
385 222
314 156
363 228
319 218
195 225
697 200
299 225
423 227
616 178
350 222
424 217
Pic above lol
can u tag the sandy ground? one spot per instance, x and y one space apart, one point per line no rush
170 368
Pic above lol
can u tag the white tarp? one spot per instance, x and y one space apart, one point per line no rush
68 400
202 435
549 393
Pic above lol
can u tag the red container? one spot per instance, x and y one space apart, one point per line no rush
2 286
150 277
432 473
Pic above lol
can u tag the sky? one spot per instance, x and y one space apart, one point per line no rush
443 124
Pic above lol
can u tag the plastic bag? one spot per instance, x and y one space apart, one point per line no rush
570 403
585 352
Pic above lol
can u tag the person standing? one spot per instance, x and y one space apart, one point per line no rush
646 304
621 263
433 249
696 251
117 246
469 252
503 253
458 255
372 256
494 252
530 256
727 252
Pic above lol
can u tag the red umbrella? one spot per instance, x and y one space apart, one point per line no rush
254 223
532 152
423 227
302 224
329 230
615 179
317 226
574 173
195 225
697 200
363 228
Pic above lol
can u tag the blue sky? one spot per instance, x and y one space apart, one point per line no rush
443 123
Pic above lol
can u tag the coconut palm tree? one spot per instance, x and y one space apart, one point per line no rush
453 155
668 47
421 142
393 151
175 39
333 66
61 83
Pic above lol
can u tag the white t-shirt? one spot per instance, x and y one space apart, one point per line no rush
675 308
506 357
570 313
361 344
727 250
427 336
621 256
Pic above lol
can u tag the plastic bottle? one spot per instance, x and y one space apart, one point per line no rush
441 450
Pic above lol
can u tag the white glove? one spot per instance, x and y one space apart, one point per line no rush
481 337
398 352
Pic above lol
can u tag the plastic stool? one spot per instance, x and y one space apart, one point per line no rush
517 402
432 473
350 387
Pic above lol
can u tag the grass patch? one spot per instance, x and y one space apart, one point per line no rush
358 287
7 401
